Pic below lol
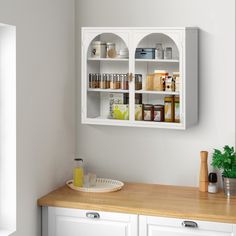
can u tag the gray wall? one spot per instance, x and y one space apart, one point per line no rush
166 156
45 101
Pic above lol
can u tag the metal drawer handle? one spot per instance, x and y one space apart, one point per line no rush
189 224
93 215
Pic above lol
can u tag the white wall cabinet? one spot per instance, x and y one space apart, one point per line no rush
159 226
75 222
96 102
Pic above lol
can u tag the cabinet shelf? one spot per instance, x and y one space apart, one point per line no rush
108 59
157 60
156 92
149 124
108 90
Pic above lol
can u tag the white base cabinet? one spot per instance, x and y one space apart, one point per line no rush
75 222
159 226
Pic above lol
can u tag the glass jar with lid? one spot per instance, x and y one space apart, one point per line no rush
168 53
98 49
148 113
158 113
111 50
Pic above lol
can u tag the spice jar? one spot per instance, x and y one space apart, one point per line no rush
107 81
103 82
138 81
112 81
98 76
118 81
159 80
149 82
90 80
94 81
98 49
148 112
124 82
169 109
111 50
177 110
158 113
168 53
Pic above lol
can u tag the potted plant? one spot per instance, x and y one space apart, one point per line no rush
226 162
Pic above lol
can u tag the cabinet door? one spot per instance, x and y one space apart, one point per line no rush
105 79
158 76
158 226
75 222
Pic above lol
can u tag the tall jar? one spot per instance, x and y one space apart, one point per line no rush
177 109
159 51
149 82
98 49
138 81
159 80
169 109
177 81
168 53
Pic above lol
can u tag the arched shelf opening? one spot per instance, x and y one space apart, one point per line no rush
157 66
107 72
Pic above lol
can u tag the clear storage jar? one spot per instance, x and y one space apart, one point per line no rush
98 49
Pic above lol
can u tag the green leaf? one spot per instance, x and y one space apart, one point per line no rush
225 160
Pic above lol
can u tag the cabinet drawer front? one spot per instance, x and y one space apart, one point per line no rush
75 222
160 226
88 214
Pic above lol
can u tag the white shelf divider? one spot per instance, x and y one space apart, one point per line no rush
157 60
108 59
108 90
156 92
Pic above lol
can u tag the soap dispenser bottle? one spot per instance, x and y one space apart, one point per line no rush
78 173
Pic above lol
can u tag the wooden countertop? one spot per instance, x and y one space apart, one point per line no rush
149 199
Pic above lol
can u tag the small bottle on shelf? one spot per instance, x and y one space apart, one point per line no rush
212 186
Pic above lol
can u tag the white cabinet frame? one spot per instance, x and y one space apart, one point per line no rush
186 39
